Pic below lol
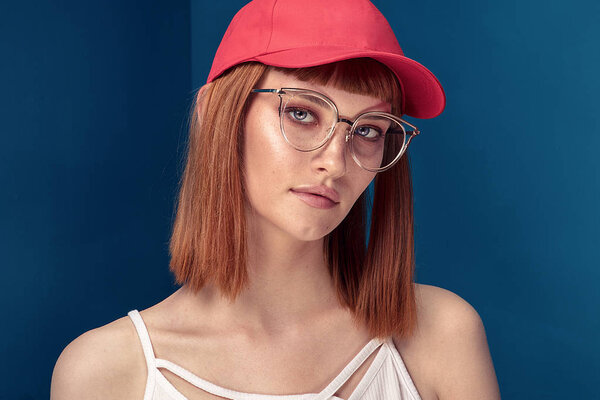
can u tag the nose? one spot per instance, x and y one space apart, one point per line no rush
331 158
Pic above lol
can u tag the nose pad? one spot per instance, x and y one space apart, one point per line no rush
346 134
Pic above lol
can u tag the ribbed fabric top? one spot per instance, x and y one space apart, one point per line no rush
386 377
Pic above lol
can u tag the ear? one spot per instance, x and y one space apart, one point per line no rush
203 89
200 97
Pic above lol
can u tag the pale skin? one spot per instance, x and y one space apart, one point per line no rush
287 332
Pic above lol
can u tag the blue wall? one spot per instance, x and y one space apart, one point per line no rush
93 113
506 180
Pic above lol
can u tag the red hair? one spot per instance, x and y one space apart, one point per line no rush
208 243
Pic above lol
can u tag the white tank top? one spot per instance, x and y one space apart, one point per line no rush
386 378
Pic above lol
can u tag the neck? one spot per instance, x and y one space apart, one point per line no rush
289 287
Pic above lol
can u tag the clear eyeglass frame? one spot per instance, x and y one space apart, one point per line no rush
353 124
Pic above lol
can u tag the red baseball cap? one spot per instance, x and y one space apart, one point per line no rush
296 34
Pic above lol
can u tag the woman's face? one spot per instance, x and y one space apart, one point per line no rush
278 176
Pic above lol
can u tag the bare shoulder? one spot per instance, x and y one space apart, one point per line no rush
445 311
106 362
459 364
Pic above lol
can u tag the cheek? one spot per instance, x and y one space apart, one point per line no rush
266 155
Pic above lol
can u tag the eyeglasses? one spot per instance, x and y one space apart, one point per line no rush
377 140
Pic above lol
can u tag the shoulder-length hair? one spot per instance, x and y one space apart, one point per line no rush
209 244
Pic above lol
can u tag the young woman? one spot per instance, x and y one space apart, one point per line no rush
281 297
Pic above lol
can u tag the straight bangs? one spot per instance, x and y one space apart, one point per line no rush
364 76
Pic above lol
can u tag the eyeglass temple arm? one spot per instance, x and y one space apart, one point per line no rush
266 90
414 132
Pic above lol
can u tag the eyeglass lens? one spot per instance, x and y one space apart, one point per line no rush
308 119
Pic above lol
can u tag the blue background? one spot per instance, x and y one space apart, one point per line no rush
93 125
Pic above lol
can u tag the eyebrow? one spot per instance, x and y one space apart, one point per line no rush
316 100
377 107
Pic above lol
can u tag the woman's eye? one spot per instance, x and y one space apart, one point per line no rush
368 132
300 115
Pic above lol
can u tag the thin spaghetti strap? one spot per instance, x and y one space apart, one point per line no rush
224 392
350 369
144 337
403 371
142 332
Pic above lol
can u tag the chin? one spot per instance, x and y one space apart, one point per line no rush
311 233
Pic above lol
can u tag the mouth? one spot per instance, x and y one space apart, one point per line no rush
317 197
321 191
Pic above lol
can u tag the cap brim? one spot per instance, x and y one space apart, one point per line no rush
423 94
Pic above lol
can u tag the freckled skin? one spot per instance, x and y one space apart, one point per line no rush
273 167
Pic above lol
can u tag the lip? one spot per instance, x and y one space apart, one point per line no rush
320 190
317 196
